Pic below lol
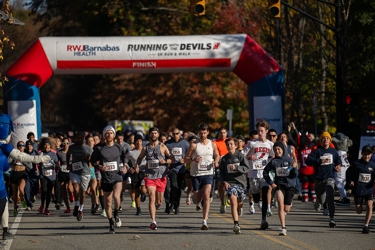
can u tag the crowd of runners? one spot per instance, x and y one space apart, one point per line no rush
265 168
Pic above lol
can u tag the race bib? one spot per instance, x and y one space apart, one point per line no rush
283 171
64 168
177 153
77 166
112 165
153 164
204 165
229 170
47 172
364 178
258 164
326 159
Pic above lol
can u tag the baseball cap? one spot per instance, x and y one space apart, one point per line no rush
367 149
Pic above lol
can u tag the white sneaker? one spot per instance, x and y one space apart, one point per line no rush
269 213
260 204
252 210
283 231
237 229
240 211
118 222
104 214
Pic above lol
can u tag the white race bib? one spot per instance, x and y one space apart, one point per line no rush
153 164
77 166
326 159
364 178
204 165
177 153
64 168
47 172
112 165
283 171
229 170
258 164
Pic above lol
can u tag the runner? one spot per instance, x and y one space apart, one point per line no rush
48 175
137 179
326 162
79 153
361 177
253 136
259 152
285 170
178 147
192 138
108 159
233 169
222 149
157 157
64 175
201 169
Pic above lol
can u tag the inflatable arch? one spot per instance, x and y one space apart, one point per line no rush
161 54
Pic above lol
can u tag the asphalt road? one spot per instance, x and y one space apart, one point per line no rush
307 229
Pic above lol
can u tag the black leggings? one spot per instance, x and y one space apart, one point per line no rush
3 202
47 186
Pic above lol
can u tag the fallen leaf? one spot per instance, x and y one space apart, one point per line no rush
186 245
62 237
33 241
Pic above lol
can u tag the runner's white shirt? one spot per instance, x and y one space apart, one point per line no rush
262 151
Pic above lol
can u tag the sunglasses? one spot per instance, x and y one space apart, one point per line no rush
21 145
176 133
65 143
273 135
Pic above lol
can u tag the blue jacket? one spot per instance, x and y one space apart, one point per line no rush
324 170
365 169
175 148
4 166
280 165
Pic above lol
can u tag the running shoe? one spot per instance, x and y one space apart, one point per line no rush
325 211
263 225
343 202
57 206
188 201
204 225
133 204
153 226
143 197
240 211
79 215
71 198
251 209
29 208
211 199
40 209
365 230
269 213
222 209
8 235
75 211
332 223
97 208
139 212
198 208
111 226
283 232
23 203
157 206
117 221
276 204
67 210
237 229
227 201
120 208
47 212
260 204
317 206
15 212
103 214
